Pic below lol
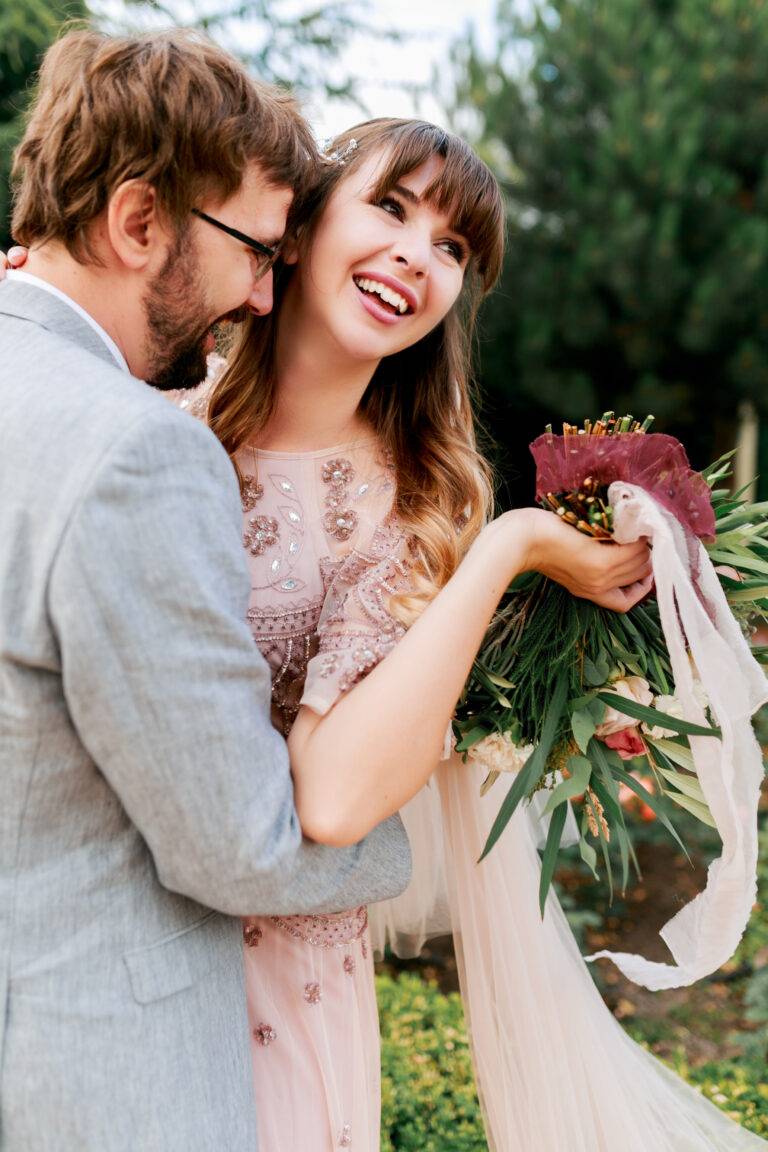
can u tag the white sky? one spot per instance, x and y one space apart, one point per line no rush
432 26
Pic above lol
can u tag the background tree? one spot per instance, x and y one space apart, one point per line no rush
633 137
299 45
27 27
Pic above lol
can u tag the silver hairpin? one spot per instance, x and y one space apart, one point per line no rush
339 155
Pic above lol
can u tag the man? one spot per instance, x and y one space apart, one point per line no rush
145 800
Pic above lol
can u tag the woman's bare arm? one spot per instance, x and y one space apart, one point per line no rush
381 741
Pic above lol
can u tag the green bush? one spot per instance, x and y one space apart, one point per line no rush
429 1102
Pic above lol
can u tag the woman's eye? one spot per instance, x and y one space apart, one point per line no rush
392 206
454 249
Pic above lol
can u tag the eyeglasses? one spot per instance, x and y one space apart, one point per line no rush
267 255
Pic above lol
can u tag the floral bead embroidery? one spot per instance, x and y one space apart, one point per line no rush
263 533
339 522
345 1140
312 993
349 965
264 1035
252 935
251 493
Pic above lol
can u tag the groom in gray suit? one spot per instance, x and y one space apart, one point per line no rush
145 800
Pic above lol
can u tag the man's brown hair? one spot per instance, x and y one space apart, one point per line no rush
170 108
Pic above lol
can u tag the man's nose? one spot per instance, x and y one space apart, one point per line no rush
261 297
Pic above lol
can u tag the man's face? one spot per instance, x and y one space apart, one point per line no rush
209 277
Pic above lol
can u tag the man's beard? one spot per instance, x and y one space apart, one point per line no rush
176 311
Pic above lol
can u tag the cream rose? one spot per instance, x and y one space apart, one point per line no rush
498 753
631 688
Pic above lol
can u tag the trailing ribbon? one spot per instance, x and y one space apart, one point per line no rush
695 618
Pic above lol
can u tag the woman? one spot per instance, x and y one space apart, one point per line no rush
347 415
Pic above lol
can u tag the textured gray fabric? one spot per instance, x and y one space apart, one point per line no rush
141 783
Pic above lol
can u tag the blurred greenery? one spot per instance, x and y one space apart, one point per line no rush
631 137
27 27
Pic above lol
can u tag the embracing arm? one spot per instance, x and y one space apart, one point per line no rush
380 742
168 692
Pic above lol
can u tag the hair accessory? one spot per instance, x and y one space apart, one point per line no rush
339 155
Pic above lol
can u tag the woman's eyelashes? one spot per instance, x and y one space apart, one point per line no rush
395 207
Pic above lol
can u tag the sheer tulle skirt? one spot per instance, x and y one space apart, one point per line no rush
555 1070
315 1033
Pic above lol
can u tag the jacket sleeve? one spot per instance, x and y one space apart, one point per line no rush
168 692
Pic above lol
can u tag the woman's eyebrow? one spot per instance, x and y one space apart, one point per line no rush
406 194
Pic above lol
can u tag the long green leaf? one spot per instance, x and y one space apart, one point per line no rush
581 770
654 716
674 752
688 785
652 802
535 766
700 811
551 848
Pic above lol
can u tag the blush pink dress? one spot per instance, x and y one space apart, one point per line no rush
323 556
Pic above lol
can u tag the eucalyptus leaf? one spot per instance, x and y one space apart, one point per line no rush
581 770
583 728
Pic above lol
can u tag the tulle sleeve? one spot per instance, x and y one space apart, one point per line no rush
357 628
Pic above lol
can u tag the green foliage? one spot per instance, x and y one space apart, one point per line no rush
429 1102
631 134
27 27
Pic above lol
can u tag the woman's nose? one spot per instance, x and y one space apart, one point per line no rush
412 251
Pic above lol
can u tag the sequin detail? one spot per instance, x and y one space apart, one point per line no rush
339 521
252 935
335 930
364 949
349 965
263 532
345 1140
312 993
264 1035
251 492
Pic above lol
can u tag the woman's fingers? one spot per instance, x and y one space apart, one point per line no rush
622 599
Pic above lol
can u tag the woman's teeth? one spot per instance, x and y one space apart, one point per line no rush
388 295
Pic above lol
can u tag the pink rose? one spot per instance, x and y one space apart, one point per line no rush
628 743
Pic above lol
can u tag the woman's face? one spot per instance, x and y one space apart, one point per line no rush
380 273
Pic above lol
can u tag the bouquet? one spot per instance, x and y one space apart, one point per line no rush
580 703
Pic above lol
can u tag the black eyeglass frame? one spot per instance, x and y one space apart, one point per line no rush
272 254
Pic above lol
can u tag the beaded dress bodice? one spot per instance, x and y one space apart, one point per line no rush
324 555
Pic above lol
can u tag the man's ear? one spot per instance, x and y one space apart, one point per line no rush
134 229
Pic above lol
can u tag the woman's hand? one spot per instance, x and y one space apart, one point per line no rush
13 258
615 576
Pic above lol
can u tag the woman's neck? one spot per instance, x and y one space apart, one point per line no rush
317 397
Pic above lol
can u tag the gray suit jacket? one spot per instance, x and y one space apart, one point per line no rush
145 800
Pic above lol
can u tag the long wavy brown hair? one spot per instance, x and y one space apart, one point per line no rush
419 401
